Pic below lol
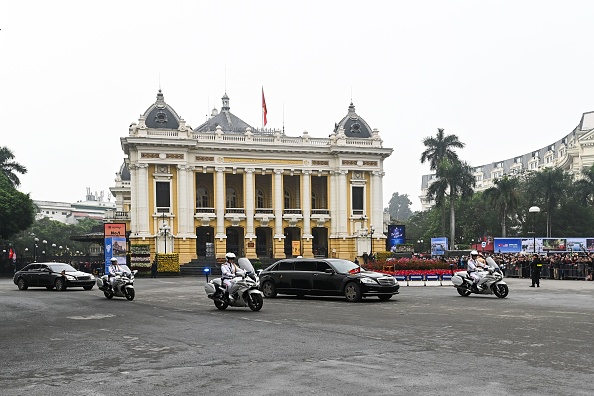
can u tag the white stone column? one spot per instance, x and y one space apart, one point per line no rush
249 202
278 203
220 200
143 200
184 200
377 209
333 205
306 204
343 211
133 198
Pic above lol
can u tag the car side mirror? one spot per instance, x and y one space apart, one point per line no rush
329 271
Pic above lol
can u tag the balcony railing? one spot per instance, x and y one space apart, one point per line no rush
292 211
264 211
234 210
205 210
320 212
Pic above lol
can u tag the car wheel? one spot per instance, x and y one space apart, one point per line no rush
88 287
269 289
22 284
464 292
60 284
255 302
384 297
352 292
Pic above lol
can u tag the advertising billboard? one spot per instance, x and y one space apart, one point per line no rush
396 236
507 245
554 244
439 246
114 243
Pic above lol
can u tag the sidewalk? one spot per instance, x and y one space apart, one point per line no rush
552 284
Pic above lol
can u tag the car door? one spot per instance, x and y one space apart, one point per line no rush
326 280
302 277
282 275
45 276
32 275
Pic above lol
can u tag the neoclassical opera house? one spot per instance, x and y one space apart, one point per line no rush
226 186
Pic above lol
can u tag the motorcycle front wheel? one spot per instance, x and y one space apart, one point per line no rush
108 294
501 290
463 292
222 305
255 301
129 292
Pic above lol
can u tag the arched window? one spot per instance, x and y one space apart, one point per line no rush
202 198
259 198
231 197
287 199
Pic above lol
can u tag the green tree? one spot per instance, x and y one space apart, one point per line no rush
547 189
583 189
9 167
17 211
399 207
504 196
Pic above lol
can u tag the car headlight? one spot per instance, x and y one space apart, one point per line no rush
368 281
70 277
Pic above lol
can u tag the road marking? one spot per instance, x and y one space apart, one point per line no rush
96 316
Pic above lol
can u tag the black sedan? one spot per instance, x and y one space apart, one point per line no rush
326 277
52 275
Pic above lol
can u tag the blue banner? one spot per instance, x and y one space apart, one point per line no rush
396 236
114 247
507 245
439 246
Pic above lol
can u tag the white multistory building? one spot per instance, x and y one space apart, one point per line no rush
94 207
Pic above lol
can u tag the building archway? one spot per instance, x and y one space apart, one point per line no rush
264 242
320 241
235 241
205 242
292 234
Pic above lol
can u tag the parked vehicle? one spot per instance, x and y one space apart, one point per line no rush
52 275
244 292
326 277
491 282
123 285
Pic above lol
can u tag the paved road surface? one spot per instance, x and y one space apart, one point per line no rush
171 340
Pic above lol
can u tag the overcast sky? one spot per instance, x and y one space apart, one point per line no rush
507 77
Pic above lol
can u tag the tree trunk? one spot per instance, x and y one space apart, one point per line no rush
452 223
503 227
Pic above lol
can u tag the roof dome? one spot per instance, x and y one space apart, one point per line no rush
225 119
354 126
160 115
124 172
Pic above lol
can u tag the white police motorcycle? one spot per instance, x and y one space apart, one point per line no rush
491 282
123 285
243 293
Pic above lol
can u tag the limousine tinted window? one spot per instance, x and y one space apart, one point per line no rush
285 266
305 266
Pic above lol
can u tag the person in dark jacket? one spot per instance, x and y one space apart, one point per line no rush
536 267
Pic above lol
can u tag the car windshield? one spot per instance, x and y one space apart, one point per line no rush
59 267
344 266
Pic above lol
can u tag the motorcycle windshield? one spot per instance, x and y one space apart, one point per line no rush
125 268
245 265
492 263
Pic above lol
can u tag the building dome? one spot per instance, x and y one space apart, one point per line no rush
225 119
124 172
160 115
354 126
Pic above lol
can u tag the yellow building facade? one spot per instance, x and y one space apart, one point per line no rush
226 186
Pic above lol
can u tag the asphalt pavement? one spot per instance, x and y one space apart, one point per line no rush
171 340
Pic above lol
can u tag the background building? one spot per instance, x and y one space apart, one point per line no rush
94 206
572 153
226 186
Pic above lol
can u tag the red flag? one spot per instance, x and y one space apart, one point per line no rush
264 111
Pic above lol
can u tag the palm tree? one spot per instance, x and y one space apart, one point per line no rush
439 148
455 180
504 196
9 167
584 187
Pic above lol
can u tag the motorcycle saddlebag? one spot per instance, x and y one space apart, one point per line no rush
457 280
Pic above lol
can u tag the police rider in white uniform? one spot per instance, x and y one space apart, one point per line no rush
114 268
228 271
472 266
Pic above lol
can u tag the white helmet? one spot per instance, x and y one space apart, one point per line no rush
230 255
114 260
474 253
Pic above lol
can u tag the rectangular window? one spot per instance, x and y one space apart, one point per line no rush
357 198
162 195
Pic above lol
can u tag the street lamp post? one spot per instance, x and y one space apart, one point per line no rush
53 252
371 231
35 241
535 210
44 249
420 243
